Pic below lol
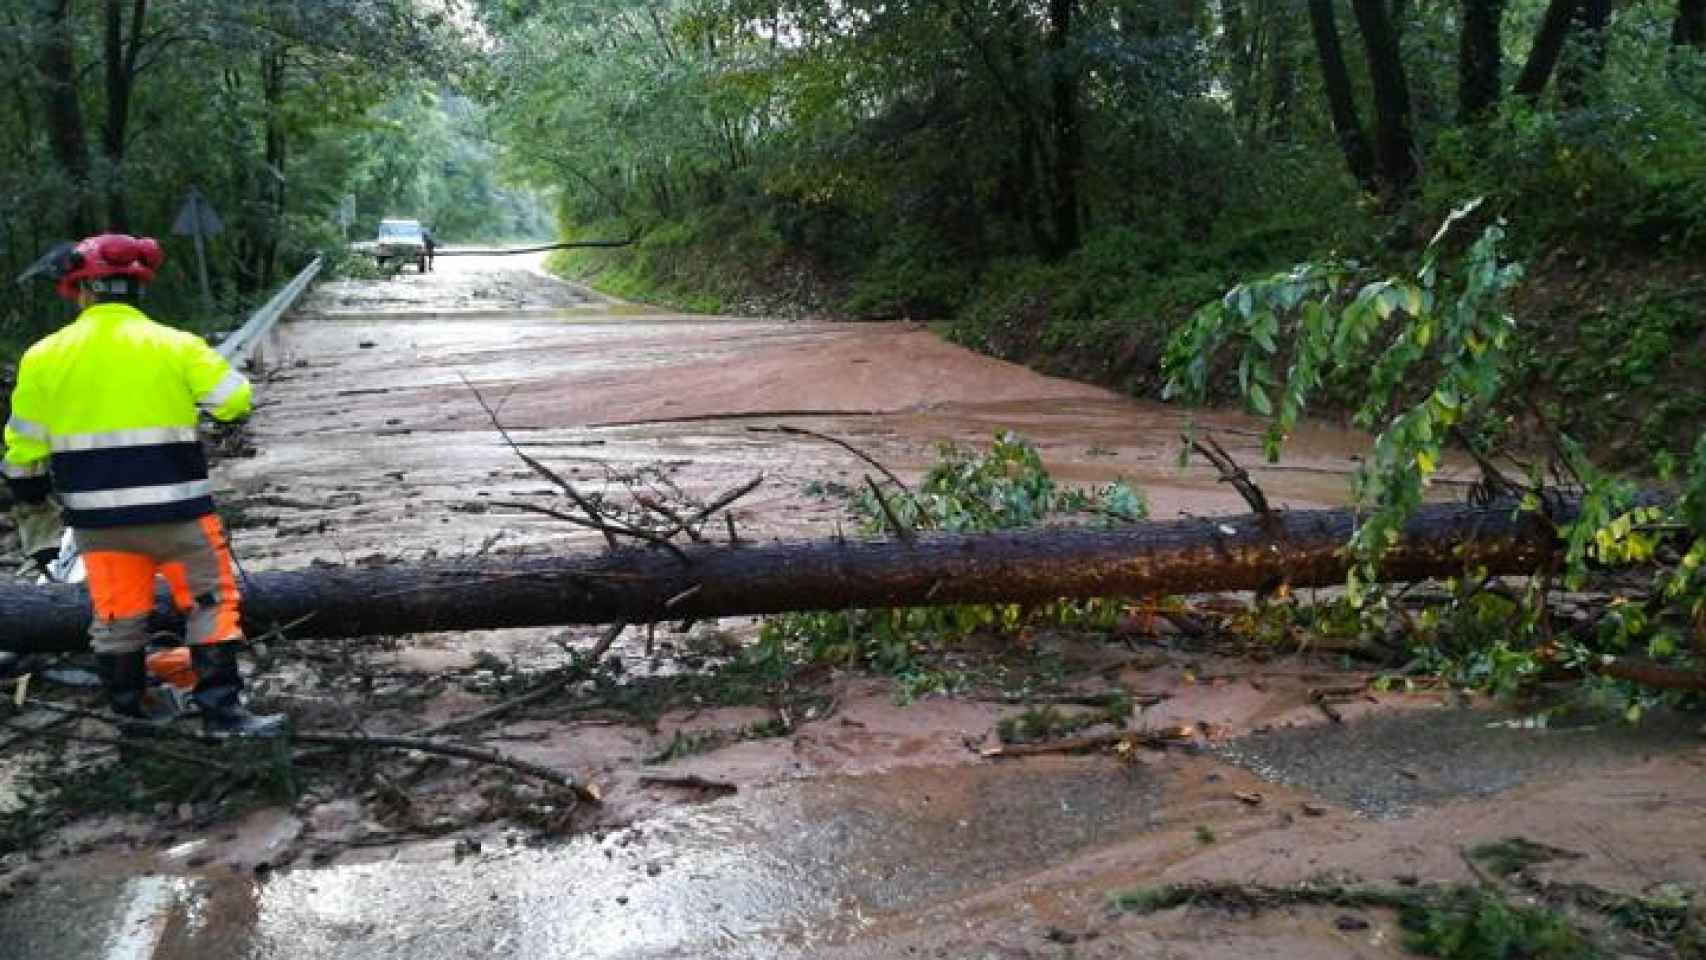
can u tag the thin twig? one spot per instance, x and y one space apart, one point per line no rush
726 500
539 468
801 432
683 596
123 743
24 732
381 742
452 749
901 530
571 674
1080 745
608 529
688 782
669 514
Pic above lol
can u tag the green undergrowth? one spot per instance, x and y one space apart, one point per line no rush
687 743
1005 488
719 260
1553 921
1453 923
1048 722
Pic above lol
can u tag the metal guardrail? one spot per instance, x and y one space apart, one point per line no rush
242 342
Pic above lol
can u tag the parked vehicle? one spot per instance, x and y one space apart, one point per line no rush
399 241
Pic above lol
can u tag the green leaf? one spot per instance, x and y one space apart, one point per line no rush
1259 400
1414 302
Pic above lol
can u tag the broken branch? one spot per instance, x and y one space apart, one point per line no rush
1231 472
826 438
571 674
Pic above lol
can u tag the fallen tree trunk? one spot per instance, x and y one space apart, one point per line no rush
641 585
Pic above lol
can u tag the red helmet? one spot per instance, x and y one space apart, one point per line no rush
109 255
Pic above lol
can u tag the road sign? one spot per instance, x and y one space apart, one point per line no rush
197 219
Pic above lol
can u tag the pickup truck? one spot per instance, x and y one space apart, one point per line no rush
401 240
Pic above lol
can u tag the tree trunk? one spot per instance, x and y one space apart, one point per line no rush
1303 548
1479 59
1583 64
1336 79
1063 121
121 58
1548 47
1027 144
57 60
1394 146
1690 27
273 177
1238 38
1281 57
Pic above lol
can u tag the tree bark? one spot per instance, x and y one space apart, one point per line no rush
1238 38
1548 46
1586 60
1281 57
121 66
1336 79
273 178
57 60
1303 548
1689 30
1394 145
1063 122
1480 59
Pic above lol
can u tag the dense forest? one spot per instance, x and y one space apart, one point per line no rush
1063 182
275 112
1059 182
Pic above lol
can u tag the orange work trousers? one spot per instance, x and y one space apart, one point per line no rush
194 558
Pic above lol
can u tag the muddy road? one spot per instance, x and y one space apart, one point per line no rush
371 440
869 826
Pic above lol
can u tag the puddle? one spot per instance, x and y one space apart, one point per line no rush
1390 766
794 864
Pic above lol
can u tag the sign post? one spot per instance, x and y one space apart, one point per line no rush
346 214
198 220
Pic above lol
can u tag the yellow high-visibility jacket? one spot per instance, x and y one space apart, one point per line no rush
110 401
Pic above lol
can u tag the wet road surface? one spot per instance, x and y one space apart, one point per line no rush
942 857
370 442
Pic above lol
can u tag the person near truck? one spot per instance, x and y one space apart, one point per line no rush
104 418
430 244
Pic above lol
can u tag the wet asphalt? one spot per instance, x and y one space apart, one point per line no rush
778 870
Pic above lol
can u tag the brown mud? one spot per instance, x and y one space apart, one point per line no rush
857 825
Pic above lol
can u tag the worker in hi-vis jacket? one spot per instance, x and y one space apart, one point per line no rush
104 418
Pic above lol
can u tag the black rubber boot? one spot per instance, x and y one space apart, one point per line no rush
219 694
126 679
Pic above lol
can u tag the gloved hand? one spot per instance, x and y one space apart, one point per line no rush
39 530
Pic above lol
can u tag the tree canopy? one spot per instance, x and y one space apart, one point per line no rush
274 111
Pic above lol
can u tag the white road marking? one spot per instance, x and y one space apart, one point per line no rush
144 920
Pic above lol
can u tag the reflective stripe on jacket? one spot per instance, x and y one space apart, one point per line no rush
111 402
